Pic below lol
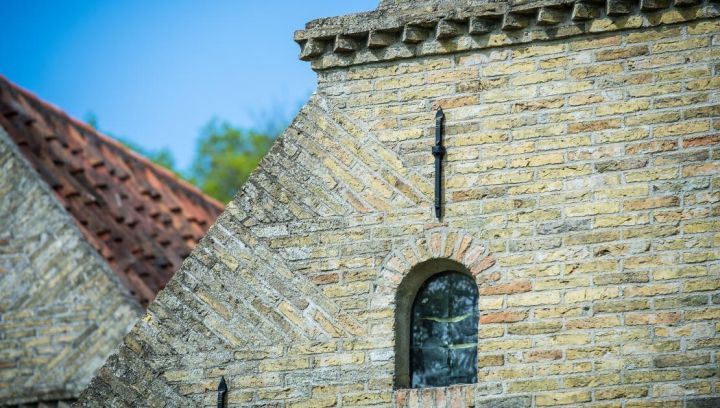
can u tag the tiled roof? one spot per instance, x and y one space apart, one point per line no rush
139 216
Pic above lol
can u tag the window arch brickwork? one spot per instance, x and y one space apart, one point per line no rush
407 267
454 246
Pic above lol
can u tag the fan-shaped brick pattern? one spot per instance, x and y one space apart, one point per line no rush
438 243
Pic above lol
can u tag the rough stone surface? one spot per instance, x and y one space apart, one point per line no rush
62 309
503 23
581 189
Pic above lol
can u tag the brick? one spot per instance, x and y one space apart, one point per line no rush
593 43
590 294
533 328
539 104
543 355
564 172
681 129
651 290
514 287
559 311
592 237
585 99
282 365
536 78
620 278
622 53
653 34
594 125
502 317
681 360
704 84
504 344
623 135
533 385
653 90
596 70
676 302
700 169
651 376
703 314
707 402
592 380
593 322
538 50
623 107
533 299
652 147
539 160
586 209
652 318
620 306
648 203
701 141
590 352
680 45
504 68
704 256
621 392
620 220
679 272
590 267
563 398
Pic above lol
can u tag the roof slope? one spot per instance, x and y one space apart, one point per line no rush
139 216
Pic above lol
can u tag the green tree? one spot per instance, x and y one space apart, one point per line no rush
162 157
226 156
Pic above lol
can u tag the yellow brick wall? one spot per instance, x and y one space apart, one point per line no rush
581 182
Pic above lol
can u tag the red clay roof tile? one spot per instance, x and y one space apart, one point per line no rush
139 216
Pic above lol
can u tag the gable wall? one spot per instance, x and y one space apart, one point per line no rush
590 166
62 310
581 188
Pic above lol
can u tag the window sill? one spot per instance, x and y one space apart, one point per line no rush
460 395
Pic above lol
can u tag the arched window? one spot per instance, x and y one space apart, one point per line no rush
444 324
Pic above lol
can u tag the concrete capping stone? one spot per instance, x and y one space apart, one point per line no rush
477 26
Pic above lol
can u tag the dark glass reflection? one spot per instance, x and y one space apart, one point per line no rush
443 349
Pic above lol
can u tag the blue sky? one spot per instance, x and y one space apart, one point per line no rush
156 71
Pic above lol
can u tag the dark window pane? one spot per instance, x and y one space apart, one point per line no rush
444 331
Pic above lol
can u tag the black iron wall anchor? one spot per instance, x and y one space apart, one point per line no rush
438 151
222 390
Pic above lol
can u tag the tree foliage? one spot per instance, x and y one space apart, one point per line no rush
225 157
163 157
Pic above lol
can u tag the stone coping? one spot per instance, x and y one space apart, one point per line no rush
388 34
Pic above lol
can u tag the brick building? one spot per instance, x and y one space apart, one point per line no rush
89 233
580 188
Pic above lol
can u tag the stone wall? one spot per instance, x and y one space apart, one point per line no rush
581 191
62 310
